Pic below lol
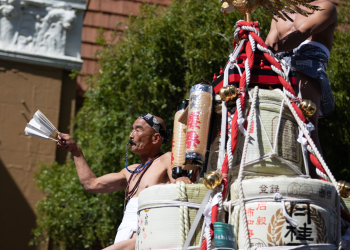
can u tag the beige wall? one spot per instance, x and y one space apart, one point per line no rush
23 90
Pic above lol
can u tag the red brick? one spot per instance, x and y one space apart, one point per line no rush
106 21
120 7
94 5
160 2
88 51
96 19
89 67
115 19
89 34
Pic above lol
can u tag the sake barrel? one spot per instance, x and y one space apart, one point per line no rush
166 213
263 136
308 201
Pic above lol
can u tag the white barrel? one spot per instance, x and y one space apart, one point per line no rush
165 215
263 138
312 203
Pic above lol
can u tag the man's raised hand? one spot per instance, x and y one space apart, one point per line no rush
66 142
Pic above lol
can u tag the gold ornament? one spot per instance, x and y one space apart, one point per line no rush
308 107
228 93
344 188
212 179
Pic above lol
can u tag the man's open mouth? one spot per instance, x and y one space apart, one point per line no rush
132 143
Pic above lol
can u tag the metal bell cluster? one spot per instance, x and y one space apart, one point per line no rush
344 188
308 107
228 93
212 179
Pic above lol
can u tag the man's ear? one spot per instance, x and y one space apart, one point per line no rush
156 138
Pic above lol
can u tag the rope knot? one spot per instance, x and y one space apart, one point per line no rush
295 99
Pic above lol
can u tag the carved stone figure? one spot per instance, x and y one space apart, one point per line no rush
9 18
27 32
52 34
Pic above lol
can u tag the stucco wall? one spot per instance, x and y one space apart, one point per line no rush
23 90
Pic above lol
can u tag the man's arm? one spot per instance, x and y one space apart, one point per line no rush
104 184
170 171
272 37
315 23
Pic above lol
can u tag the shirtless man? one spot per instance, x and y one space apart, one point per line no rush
146 139
306 44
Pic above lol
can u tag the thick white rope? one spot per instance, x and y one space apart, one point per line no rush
220 206
166 203
184 217
232 59
240 118
208 237
202 234
319 157
243 217
252 42
236 213
207 227
229 153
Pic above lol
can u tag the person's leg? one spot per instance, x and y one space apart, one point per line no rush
311 90
124 245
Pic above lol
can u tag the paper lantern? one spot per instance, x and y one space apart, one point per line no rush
198 121
179 142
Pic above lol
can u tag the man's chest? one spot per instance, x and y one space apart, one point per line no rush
153 175
286 27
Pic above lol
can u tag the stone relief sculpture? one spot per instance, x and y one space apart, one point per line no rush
9 19
27 32
35 27
53 30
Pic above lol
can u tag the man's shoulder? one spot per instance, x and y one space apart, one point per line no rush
166 156
325 5
166 159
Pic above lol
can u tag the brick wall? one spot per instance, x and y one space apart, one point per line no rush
105 14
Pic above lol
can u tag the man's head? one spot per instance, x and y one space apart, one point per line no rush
148 134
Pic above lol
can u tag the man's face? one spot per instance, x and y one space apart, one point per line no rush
141 136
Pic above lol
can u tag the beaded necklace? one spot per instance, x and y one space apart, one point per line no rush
130 194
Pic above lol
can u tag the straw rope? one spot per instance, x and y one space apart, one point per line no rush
184 215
